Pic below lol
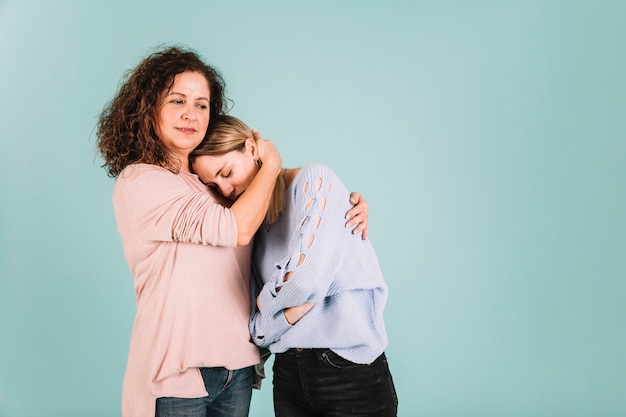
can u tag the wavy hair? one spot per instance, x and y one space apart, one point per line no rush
126 127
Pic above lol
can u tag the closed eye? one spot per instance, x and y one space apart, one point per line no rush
208 184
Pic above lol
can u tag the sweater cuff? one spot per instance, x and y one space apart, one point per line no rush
267 330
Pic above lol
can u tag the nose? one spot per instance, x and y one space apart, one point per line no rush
189 112
226 190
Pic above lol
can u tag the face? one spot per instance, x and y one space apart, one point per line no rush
231 173
184 114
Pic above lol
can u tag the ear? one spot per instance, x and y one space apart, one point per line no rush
250 146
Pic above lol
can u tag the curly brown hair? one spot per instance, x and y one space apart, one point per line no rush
126 127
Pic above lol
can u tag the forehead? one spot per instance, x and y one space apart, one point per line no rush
190 83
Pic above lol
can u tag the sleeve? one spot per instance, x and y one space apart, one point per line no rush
264 332
307 273
267 330
160 206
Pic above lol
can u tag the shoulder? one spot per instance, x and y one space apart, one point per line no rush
148 173
133 171
147 178
317 180
315 172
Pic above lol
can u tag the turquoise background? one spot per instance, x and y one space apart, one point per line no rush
488 137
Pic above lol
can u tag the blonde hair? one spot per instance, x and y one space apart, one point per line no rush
227 134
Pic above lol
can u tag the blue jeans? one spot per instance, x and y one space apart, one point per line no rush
229 396
318 382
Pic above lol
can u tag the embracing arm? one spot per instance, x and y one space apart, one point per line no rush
152 204
251 207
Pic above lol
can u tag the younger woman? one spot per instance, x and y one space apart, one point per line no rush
321 295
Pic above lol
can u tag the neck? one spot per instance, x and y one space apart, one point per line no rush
289 174
179 161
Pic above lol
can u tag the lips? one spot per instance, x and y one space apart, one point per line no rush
186 130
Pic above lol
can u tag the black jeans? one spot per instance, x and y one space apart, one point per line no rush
318 382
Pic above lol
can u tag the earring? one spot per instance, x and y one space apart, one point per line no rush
258 162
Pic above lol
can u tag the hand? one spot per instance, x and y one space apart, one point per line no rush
293 314
267 152
357 216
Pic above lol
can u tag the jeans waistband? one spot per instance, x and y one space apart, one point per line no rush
305 350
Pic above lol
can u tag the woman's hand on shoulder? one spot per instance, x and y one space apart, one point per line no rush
357 215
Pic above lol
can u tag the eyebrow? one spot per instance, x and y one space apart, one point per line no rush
184 95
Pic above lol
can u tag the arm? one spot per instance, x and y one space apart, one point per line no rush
306 256
251 207
258 325
357 216
307 274
266 330
160 206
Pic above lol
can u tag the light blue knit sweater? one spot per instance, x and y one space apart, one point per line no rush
340 273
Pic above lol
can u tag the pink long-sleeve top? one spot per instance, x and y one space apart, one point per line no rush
191 283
